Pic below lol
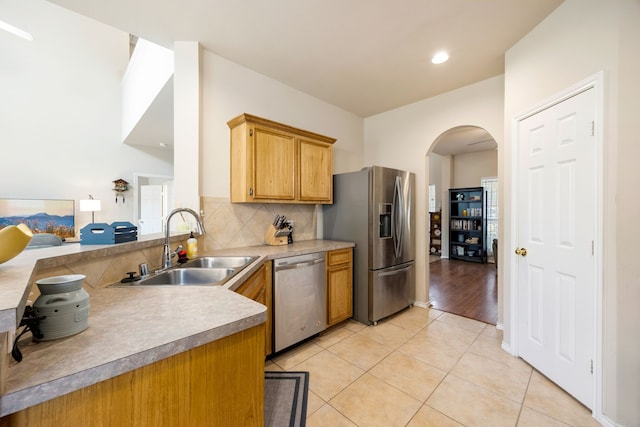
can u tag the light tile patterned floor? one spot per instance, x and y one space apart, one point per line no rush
423 367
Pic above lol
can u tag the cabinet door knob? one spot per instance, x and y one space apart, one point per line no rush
521 251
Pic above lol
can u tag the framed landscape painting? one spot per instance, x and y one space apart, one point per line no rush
41 215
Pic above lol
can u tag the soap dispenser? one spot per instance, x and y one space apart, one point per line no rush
192 247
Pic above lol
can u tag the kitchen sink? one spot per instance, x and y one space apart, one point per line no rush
189 277
220 262
205 271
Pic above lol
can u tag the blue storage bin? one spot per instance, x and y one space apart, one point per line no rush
105 234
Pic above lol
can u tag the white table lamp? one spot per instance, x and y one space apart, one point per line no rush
90 205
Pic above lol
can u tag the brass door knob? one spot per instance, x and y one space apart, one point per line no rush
521 251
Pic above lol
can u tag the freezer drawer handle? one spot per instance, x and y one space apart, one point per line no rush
392 272
299 265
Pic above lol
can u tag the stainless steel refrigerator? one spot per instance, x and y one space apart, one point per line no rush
374 208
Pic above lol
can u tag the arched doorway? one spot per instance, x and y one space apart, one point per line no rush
462 157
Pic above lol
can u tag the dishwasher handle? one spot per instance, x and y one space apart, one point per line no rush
298 265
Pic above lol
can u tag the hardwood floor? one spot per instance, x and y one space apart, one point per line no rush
464 288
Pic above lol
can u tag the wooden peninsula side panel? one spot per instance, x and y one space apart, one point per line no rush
217 384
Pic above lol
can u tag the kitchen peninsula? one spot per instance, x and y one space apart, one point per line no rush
163 345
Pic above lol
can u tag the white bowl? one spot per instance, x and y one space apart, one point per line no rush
60 284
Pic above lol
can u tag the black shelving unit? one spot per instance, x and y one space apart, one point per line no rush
467 224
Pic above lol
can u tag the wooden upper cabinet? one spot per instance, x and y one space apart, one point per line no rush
315 167
275 163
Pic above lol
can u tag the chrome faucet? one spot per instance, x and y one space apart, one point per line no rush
166 253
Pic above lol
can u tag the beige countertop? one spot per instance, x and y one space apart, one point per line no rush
129 327
15 274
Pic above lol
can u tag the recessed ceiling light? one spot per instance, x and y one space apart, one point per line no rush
440 57
163 144
15 31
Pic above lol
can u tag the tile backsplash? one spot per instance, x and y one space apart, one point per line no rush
100 271
228 225
231 225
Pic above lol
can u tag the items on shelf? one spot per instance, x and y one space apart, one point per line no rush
465 224
467 231
435 243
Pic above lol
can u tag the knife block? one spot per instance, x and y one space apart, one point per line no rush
271 238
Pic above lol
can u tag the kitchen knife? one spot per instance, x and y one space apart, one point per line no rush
282 232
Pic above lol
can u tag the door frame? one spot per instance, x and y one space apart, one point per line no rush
142 228
594 82
139 176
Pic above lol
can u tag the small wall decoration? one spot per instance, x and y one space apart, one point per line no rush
120 186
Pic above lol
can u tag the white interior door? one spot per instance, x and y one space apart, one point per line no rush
556 228
151 209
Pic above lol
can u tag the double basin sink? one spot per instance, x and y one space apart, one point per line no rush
204 271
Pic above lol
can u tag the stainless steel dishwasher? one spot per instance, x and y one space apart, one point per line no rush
300 298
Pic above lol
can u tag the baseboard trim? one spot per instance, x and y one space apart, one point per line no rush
422 304
506 347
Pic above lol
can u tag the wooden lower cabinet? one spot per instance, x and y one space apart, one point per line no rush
259 288
339 285
217 384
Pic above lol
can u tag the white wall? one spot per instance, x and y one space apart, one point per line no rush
440 172
149 70
187 116
627 177
230 90
578 40
469 168
61 112
414 128
435 176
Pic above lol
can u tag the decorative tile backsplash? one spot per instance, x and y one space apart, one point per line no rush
231 225
227 225
101 271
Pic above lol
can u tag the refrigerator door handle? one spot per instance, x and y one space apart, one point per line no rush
397 218
391 272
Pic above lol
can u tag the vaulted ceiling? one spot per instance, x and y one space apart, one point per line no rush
365 56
